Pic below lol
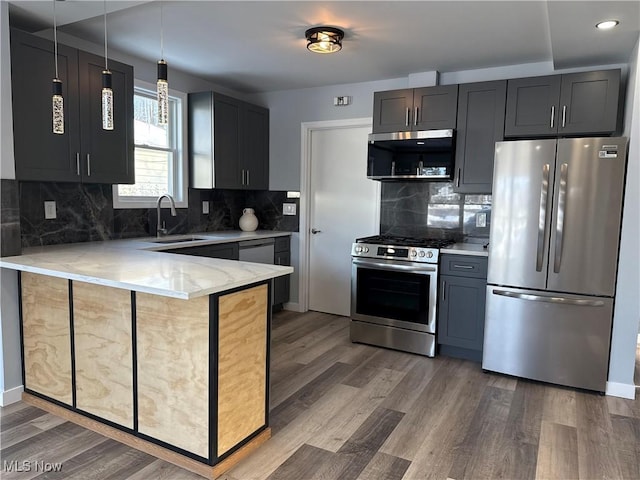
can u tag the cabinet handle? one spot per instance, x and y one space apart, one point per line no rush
458 179
444 291
78 163
247 177
88 164
553 114
243 176
564 115
466 267
406 120
415 116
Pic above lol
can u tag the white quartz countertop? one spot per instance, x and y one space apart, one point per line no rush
137 265
466 249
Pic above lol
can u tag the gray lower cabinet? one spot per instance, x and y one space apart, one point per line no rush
281 285
584 103
85 152
461 306
228 143
480 124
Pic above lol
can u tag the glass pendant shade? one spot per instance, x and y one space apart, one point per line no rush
107 101
57 105
163 93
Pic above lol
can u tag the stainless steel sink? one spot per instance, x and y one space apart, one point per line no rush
177 239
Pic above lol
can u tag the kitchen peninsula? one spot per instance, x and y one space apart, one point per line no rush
166 353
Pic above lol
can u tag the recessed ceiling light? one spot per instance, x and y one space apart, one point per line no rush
607 24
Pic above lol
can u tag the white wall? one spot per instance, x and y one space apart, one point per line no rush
626 315
7 165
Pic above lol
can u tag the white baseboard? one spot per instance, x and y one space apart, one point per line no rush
292 306
622 390
10 396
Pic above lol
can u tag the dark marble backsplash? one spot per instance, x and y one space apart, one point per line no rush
85 213
433 210
9 218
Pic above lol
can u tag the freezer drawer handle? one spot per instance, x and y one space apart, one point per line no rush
542 219
562 205
540 298
466 267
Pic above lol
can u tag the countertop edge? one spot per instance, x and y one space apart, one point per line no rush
473 249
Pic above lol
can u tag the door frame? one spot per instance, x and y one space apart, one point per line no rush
307 129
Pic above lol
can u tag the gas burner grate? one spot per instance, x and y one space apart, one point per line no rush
406 241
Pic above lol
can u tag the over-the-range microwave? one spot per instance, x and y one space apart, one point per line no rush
420 155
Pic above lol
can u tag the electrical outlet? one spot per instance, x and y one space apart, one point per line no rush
288 208
481 220
205 207
49 210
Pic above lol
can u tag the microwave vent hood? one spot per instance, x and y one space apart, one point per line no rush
420 155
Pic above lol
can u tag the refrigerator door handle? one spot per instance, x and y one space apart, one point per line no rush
541 298
562 204
542 222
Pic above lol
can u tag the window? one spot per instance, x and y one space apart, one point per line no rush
160 154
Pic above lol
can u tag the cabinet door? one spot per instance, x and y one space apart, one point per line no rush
41 154
281 284
227 142
480 126
461 312
228 251
435 107
256 147
107 155
532 107
392 111
589 102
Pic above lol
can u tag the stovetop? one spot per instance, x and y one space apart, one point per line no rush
393 240
403 249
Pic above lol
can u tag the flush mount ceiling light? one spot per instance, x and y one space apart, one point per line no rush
607 24
324 39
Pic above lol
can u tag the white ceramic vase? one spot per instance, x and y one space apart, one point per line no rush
248 220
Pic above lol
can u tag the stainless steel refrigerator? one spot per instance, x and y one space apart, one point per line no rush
553 258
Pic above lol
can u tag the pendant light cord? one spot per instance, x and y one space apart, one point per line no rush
55 37
106 66
161 32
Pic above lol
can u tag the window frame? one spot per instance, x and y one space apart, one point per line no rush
180 168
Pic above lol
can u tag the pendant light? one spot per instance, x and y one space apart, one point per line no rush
162 85
57 102
107 92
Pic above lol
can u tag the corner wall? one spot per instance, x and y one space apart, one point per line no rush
626 315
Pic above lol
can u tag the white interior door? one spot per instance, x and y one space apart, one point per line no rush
344 205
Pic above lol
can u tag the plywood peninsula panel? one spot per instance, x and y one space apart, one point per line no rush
47 336
242 357
172 337
103 351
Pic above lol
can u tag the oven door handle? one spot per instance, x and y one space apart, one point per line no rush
395 266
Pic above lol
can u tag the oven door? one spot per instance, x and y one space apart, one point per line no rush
394 293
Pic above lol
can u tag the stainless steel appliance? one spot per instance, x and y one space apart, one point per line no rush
420 155
394 282
552 266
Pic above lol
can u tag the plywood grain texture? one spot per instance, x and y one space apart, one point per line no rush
173 370
47 336
242 367
103 352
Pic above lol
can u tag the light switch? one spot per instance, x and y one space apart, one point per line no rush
205 207
288 208
49 210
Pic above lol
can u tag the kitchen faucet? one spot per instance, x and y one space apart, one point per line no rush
161 230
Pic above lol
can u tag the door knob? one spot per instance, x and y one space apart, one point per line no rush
314 231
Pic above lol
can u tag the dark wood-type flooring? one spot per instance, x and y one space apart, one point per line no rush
346 411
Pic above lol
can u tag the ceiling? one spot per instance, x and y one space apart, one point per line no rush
259 46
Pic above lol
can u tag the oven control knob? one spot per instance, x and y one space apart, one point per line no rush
413 253
422 253
430 254
358 249
366 249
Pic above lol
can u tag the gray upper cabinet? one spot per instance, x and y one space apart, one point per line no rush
228 143
415 109
585 103
480 124
84 152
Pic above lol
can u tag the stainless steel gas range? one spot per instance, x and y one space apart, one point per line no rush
394 292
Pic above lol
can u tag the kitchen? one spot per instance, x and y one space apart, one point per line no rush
284 152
